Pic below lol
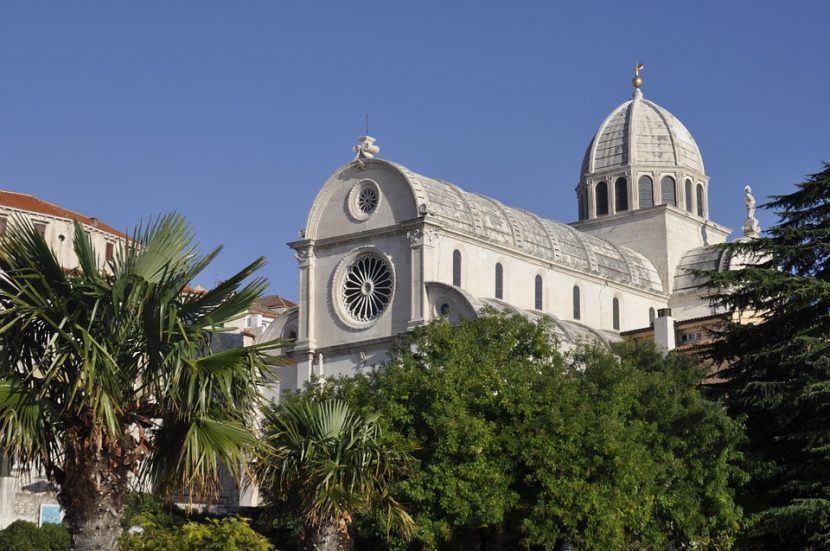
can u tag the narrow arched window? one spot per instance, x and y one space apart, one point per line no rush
621 195
456 268
668 190
700 200
583 205
602 199
615 314
651 316
689 195
576 302
646 191
499 281
537 302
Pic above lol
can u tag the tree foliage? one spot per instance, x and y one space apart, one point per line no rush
22 535
325 464
779 366
522 447
225 534
103 371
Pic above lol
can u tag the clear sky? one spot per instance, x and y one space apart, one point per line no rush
235 113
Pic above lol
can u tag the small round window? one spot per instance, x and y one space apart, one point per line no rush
367 287
363 200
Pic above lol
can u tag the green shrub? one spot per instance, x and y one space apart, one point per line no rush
226 534
22 535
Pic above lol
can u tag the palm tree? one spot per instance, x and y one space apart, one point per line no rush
107 374
327 464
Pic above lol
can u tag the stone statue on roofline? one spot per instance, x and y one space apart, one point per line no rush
751 227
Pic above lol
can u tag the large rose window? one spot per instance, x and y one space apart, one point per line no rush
367 287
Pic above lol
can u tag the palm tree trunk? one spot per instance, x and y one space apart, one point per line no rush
330 537
92 495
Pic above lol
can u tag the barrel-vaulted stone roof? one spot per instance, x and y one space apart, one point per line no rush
491 221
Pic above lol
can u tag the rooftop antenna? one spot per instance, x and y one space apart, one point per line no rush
367 125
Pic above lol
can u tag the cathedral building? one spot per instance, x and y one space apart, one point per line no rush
386 249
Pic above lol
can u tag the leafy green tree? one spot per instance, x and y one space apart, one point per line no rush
779 366
103 371
326 464
522 447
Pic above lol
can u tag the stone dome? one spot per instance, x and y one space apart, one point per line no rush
643 134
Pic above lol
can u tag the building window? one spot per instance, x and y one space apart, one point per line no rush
499 281
668 190
602 199
367 287
621 195
689 195
576 302
109 251
651 316
700 200
646 191
456 268
689 337
615 314
537 302
40 228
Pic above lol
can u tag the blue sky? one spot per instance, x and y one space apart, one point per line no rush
235 113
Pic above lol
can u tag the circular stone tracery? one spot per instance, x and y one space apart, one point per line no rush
367 199
367 287
363 200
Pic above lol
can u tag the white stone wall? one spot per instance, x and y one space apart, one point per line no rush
662 234
519 273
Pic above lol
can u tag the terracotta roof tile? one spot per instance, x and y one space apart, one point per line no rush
275 301
24 201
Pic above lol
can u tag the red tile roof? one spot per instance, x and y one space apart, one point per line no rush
24 201
275 301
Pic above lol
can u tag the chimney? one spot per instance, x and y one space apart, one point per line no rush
93 221
664 335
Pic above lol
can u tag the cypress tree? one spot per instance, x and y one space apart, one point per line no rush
778 374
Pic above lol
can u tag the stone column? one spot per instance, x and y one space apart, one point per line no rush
305 257
422 241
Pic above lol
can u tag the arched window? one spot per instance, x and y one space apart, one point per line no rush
651 316
583 205
537 302
602 199
689 195
499 282
646 191
668 191
576 302
456 268
615 314
621 195
700 200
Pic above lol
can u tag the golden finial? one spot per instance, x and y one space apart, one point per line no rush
637 81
